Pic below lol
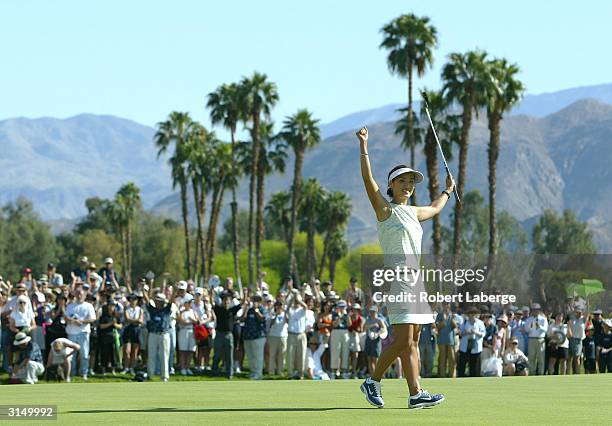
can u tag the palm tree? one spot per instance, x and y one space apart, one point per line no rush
311 201
465 79
504 92
128 201
410 139
272 158
257 96
176 131
278 210
116 217
301 132
448 129
335 214
338 248
199 163
225 109
409 39
221 176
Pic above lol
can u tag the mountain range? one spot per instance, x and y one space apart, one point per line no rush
555 154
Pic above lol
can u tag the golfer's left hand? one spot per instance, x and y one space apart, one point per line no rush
450 183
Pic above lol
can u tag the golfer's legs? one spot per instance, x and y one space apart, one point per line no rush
228 349
463 359
540 354
532 354
273 346
249 346
259 345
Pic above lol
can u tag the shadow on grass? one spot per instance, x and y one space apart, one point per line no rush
219 410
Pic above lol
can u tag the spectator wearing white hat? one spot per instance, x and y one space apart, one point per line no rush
206 316
296 341
186 339
29 362
536 327
22 319
277 338
81 270
60 356
158 327
339 341
110 278
133 318
376 331
576 333
605 354
254 335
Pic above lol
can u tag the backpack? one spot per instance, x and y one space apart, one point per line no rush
200 332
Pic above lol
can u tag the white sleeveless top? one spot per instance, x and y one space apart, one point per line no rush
400 234
400 237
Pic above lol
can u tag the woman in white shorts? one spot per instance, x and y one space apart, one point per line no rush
186 339
400 234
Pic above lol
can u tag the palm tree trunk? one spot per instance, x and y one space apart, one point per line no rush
463 152
431 158
259 234
252 194
202 212
210 233
494 128
310 244
185 228
199 234
234 206
213 229
332 268
297 183
410 125
129 253
124 260
324 255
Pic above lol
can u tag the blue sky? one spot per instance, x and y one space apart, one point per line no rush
142 59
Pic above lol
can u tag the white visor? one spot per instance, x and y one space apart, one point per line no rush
419 175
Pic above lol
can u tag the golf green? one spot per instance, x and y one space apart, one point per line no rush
479 401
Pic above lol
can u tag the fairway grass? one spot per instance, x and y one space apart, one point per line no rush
543 400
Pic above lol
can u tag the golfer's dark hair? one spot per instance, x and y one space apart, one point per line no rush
389 190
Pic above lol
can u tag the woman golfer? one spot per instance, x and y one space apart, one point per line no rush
400 233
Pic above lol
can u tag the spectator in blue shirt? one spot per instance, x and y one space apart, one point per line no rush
254 335
447 325
472 333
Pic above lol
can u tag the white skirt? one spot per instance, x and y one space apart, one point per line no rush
405 312
186 340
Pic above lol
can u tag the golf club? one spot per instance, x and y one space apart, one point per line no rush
426 101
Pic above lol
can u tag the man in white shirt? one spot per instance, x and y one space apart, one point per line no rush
277 339
79 317
536 327
296 342
472 332
576 333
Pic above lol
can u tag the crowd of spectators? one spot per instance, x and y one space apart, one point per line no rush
91 324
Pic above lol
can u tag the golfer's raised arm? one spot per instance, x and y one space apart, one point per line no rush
380 205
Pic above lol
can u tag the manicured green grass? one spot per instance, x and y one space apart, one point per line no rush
582 399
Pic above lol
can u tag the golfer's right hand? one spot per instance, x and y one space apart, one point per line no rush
362 134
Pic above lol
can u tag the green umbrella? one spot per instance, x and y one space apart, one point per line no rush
586 288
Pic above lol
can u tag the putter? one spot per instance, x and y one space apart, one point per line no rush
424 95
